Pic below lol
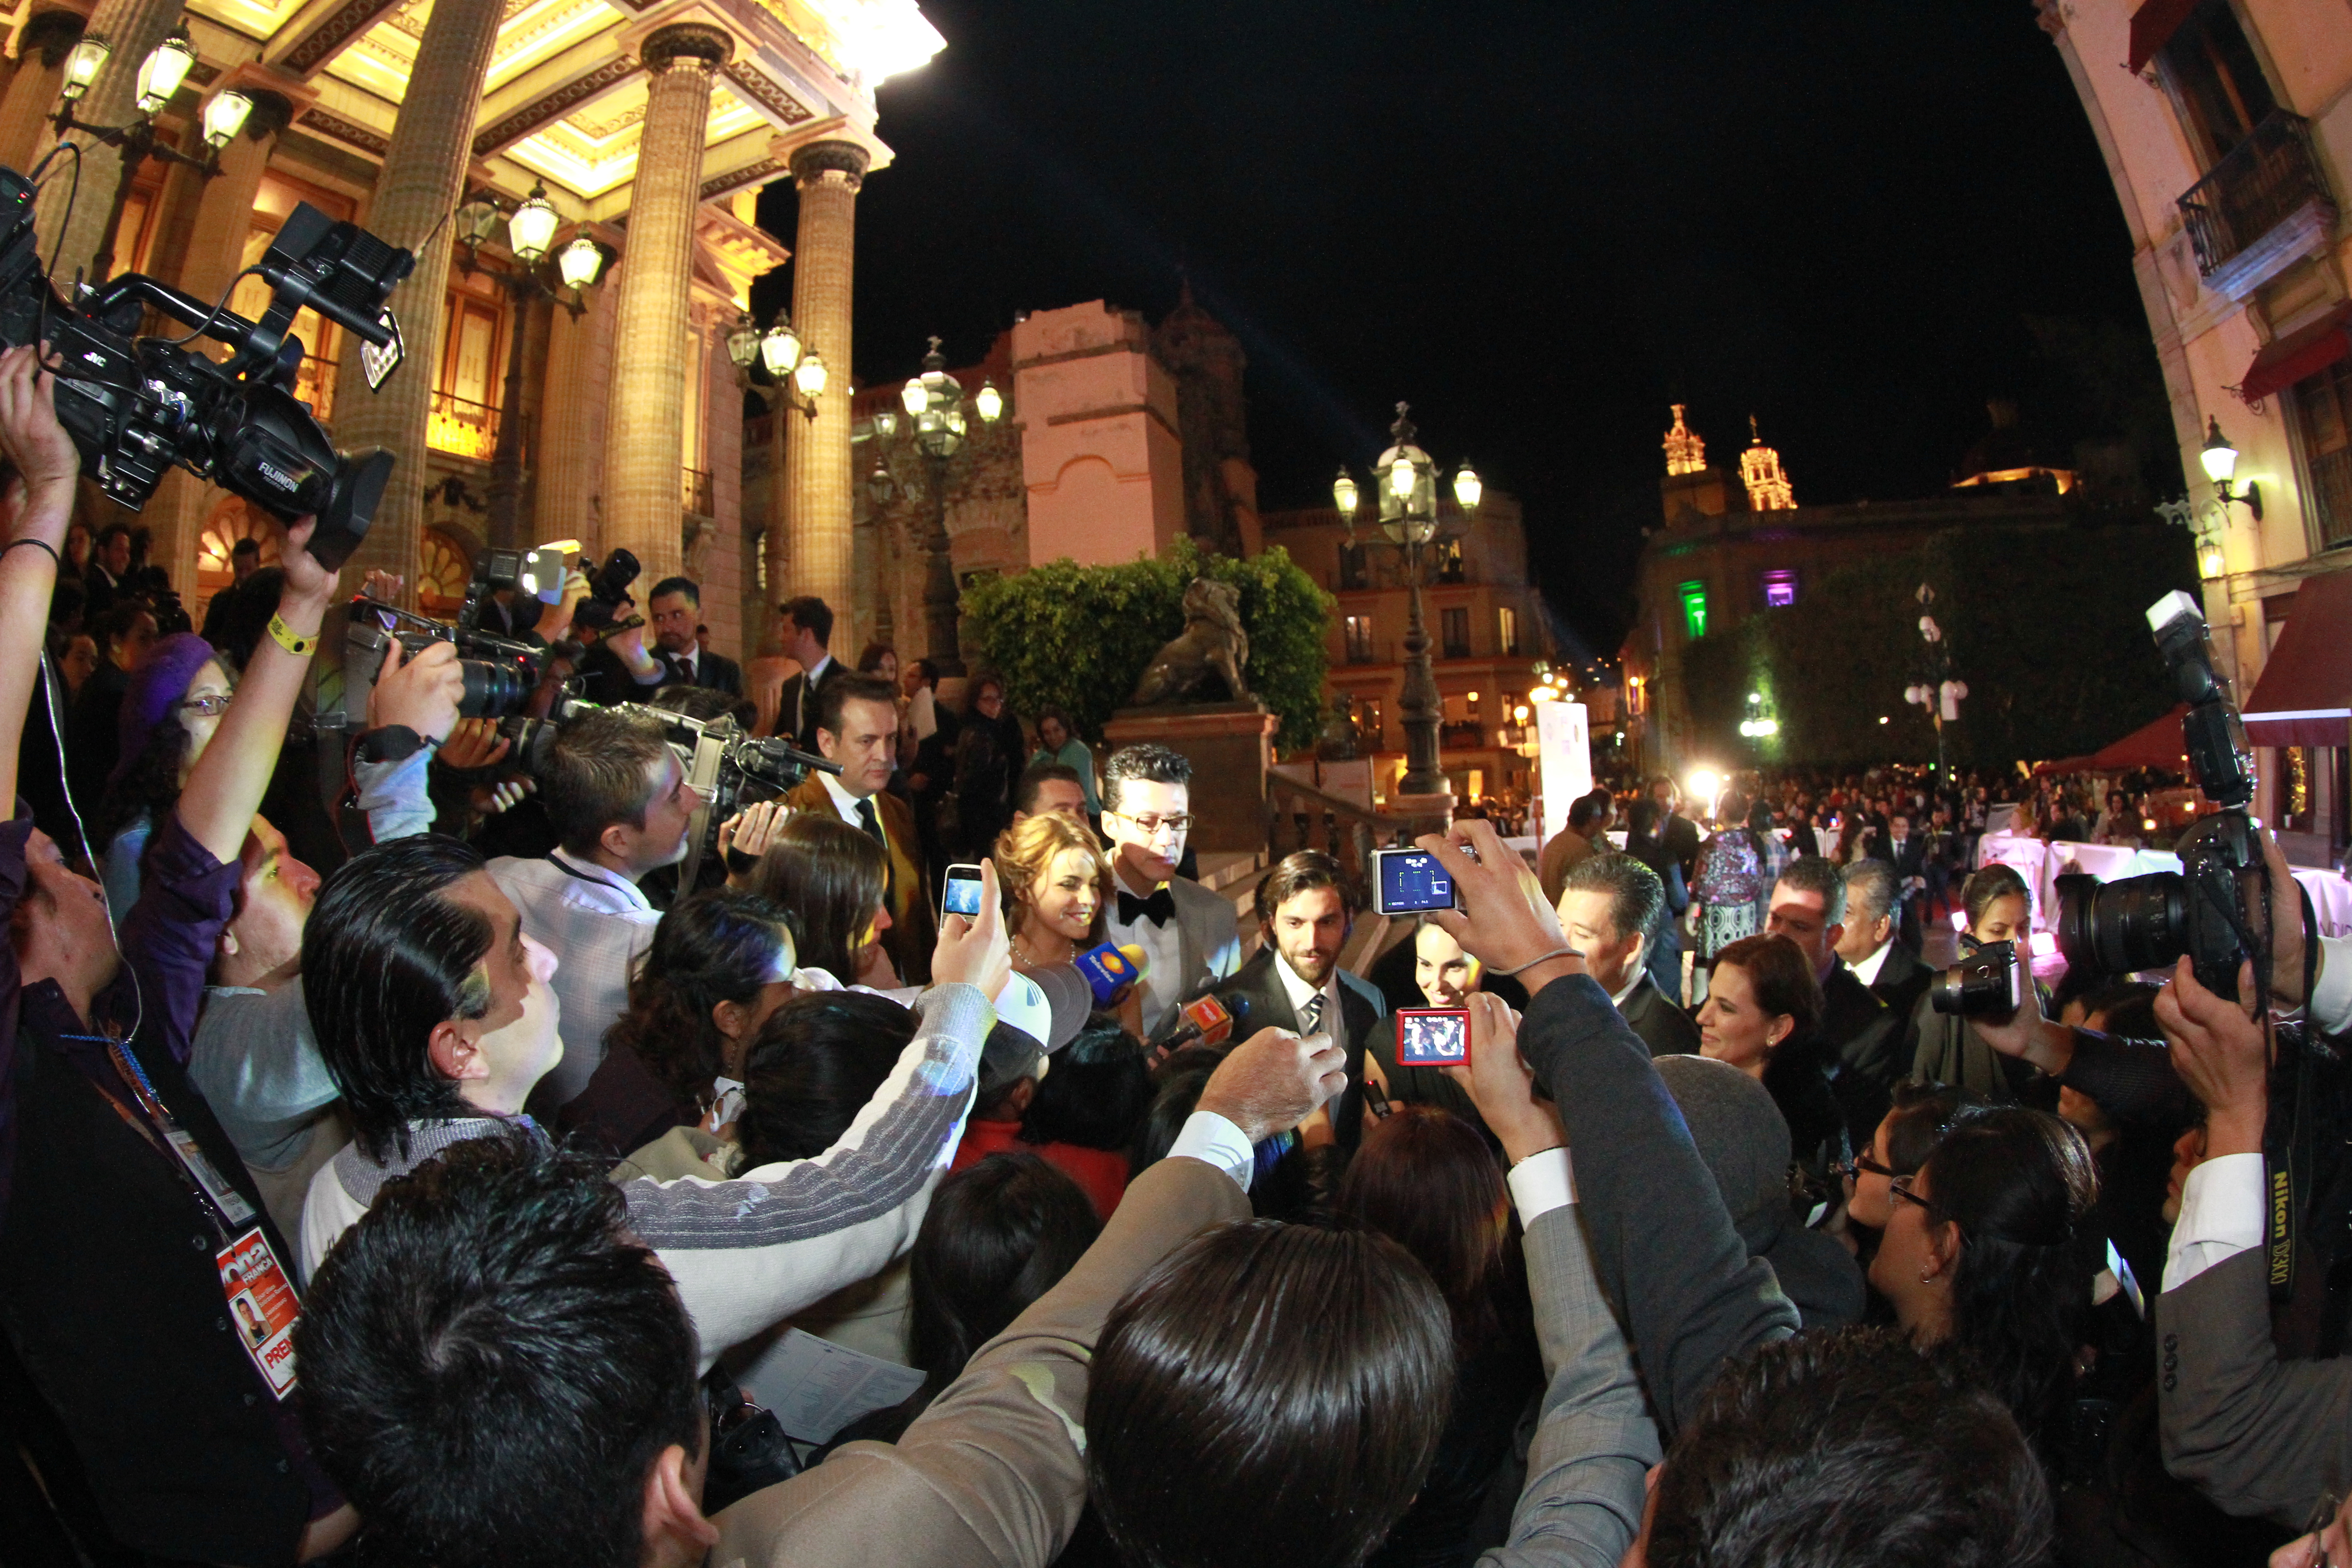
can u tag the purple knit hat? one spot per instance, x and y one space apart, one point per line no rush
162 678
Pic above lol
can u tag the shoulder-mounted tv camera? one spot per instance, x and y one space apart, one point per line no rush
138 406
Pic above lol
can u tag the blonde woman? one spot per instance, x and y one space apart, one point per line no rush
1055 884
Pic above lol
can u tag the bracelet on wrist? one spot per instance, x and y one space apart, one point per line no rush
55 560
1541 958
299 644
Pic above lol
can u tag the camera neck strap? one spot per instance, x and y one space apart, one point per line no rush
2290 1142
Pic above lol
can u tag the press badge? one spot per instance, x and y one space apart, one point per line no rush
234 1210
262 1308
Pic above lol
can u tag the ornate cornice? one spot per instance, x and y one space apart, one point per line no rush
818 159
754 87
665 46
326 122
340 27
554 106
758 173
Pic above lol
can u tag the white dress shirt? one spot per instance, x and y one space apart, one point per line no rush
1163 958
2222 1215
1867 970
846 804
597 923
1211 1139
2331 999
1542 1183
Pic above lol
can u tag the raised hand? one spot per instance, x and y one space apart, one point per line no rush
1270 1081
974 949
421 693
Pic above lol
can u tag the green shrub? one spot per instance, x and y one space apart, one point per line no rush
1078 637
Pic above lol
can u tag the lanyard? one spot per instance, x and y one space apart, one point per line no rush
224 1206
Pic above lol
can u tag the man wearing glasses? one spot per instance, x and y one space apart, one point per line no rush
620 807
1186 932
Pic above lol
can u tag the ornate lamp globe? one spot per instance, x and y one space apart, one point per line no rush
989 402
1407 481
934 400
744 341
163 70
1343 495
532 229
582 262
809 375
1467 488
780 351
82 66
224 116
2220 457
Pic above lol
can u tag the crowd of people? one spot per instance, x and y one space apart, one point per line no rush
448 1203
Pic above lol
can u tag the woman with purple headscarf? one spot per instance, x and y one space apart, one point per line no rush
169 714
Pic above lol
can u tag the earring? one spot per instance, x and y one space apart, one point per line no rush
1928 1276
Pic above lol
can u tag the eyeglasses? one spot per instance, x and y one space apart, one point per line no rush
1150 827
210 707
1853 1170
1901 1188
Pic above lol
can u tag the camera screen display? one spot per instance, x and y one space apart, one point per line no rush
1432 1036
1408 881
963 896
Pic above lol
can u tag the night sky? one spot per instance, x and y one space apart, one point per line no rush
1539 221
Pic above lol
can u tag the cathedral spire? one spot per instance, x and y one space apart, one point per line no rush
1768 489
1685 453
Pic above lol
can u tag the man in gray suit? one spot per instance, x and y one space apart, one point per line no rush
1187 932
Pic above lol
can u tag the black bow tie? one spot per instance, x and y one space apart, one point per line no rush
1159 909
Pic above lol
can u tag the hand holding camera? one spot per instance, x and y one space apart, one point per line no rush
1496 922
419 693
1501 1086
973 949
30 435
2222 1054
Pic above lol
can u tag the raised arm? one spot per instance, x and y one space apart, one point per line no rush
39 503
225 786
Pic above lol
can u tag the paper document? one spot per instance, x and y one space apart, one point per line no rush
816 1387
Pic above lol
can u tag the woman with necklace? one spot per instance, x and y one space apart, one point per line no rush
1055 884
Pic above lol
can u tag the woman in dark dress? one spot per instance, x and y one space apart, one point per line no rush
983 787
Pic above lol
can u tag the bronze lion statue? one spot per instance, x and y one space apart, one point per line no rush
1213 646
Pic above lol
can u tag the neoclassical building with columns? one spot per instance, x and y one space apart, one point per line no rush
527 411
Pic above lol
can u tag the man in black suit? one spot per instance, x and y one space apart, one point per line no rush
677 607
1678 833
806 631
1864 1034
1610 905
1304 906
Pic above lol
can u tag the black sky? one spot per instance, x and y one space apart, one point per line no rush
1539 221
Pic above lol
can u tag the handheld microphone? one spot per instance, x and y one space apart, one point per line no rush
1207 1021
1111 969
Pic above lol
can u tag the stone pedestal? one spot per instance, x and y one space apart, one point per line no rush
1231 745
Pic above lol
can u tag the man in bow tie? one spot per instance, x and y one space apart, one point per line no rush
1186 932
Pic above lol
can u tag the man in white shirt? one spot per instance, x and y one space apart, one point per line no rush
1608 905
1188 933
1868 944
620 806
857 727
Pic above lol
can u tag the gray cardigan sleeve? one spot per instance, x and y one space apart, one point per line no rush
1585 1494
1664 1247
2257 1435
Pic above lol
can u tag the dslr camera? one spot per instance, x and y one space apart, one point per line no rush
500 672
1989 983
138 406
2214 909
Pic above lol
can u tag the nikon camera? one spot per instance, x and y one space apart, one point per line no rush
138 406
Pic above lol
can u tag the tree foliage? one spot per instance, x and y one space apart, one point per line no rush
2045 626
1078 637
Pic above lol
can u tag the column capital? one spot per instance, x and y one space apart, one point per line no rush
54 34
665 46
818 159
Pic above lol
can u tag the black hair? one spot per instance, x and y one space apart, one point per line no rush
817 1061
1581 812
1303 871
685 585
1036 777
110 531
600 772
852 688
247 546
828 878
1637 897
1097 1092
714 947
1175 1092
387 956
1297 1380
1148 761
492 1364
997 1236
1848 1449
1817 875
812 612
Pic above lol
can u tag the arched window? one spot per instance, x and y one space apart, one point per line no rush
443 567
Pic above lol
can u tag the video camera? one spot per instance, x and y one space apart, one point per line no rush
2215 907
138 406
500 673
729 768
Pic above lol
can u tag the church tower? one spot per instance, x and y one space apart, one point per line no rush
1768 489
1685 453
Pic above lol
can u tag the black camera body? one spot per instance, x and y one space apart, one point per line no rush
1989 983
2207 910
136 406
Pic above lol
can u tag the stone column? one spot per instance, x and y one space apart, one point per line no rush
222 220
821 553
568 503
646 424
134 27
423 178
32 94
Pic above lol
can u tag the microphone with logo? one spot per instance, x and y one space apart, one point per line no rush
1111 969
1206 1021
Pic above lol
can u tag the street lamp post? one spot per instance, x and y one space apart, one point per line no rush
1405 478
1941 694
938 416
578 266
159 76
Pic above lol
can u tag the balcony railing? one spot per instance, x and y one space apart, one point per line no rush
462 429
1470 736
2331 496
694 491
2263 182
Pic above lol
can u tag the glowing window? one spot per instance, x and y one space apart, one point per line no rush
1694 596
1779 589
